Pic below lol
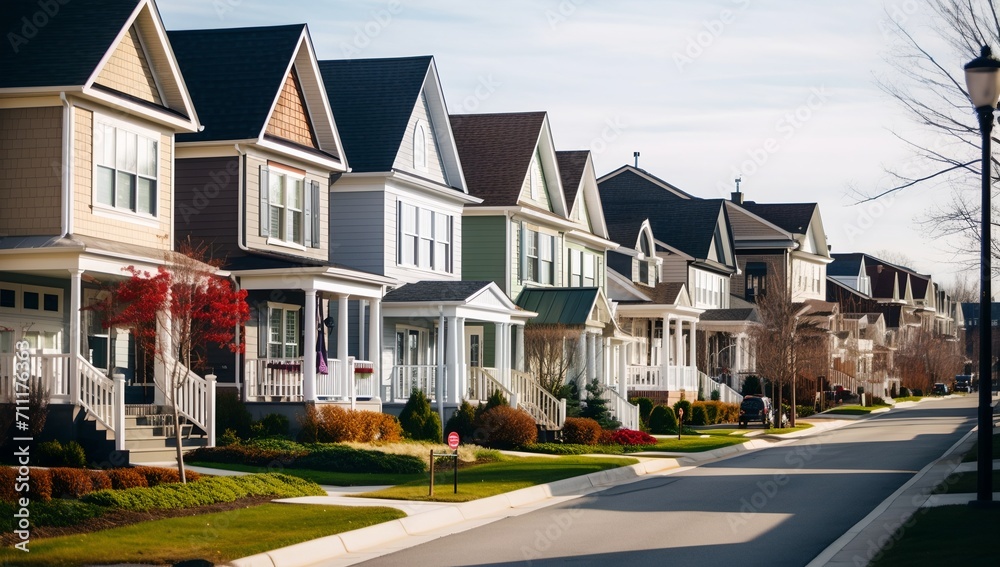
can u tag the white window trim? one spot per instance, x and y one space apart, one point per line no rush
418 233
116 213
284 307
266 217
19 309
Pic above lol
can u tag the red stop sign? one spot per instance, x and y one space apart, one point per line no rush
453 440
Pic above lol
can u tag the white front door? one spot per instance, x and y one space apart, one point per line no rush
474 345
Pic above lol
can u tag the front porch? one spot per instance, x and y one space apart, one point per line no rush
283 380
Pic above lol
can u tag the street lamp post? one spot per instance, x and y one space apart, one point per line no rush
982 78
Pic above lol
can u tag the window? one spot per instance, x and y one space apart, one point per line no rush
644 272
425 239
420 147
31 300
282 331
290 213
582 269
125 167
589 270
537 256
756 280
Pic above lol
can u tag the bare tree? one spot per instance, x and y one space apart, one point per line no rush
925 358
552 354
927 82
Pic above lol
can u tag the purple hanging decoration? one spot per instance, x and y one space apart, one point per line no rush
321 367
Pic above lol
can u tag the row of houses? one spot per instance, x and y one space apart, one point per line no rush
386 245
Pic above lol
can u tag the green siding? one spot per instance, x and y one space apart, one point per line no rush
483 249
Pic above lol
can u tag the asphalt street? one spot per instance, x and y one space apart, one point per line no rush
779 506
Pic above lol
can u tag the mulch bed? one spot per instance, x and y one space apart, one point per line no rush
115 518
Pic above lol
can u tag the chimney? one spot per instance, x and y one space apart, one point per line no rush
736 196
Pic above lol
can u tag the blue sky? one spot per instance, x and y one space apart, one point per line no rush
781 93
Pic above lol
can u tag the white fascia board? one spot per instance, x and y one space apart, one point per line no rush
328 162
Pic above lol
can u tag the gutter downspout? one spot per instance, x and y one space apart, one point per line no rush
67 167
240 238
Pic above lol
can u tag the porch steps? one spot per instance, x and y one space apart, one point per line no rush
150 438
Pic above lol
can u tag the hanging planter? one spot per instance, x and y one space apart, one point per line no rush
363 369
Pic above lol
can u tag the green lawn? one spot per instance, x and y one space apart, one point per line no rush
961 483
971 455
948 535
780 430
852 410
695 443
480 481
216 537
909 399
323 477
722 432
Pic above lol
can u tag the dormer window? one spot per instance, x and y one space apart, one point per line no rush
420 147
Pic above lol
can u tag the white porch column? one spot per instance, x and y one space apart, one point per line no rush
342 324
591 357
361 328
498 344
581 365
375 340
679 343
75 334
440 377
504 366
693 351
460 379
623 370
454 348
519 345
607 362
309 348
664 347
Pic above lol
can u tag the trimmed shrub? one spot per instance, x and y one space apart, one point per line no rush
804 411
463 422
74 455
8 478
581 431
334 458
123 479
159 475
662 420
686 406
716 396
231 413
244 454
418 420
228 437
309 423
271 425
55 513
627 438
508 428
645 408
55 454
904 392
70 482
711 410
728 413
40 485
699 415
100 480
210 490
337 424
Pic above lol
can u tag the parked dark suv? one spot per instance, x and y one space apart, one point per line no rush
755 409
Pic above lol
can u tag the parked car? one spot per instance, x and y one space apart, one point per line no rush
963 383
939 389
755 409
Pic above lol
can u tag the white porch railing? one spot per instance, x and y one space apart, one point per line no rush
682 378
273 379
626 413
331 384
51 369
104 398
482 384
645 378
407 378
365 385
547 409
726 394
196 401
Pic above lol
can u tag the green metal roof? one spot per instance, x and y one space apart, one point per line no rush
558 306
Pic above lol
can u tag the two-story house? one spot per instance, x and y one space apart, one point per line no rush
89 110
523 236
254 185
398 213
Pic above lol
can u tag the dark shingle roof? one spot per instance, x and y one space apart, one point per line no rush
685 224
633 185
496 150
741 315
665 293
372 100
571 166
66 50
884 276
793 217
444 291
846 264
234 76
558 306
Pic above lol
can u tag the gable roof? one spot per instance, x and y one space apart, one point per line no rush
69 48
665 293
435 291
558 306
496 152
236 76
571 166
632 183
373 100
744 314
793 217
687 225
846 265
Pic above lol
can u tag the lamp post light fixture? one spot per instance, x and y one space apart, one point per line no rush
982 79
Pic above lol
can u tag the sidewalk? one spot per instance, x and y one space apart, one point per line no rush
426 521
869 536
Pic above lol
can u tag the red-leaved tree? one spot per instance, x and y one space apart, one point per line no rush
177 314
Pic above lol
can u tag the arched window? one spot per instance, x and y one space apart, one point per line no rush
420 147
644 246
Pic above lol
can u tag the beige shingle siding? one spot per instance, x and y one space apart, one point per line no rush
86 223
128 70
30 171
289 119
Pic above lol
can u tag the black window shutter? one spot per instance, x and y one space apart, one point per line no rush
314 197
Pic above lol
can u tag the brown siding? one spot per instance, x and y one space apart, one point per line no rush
30 171
289 119
206 203
128 70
